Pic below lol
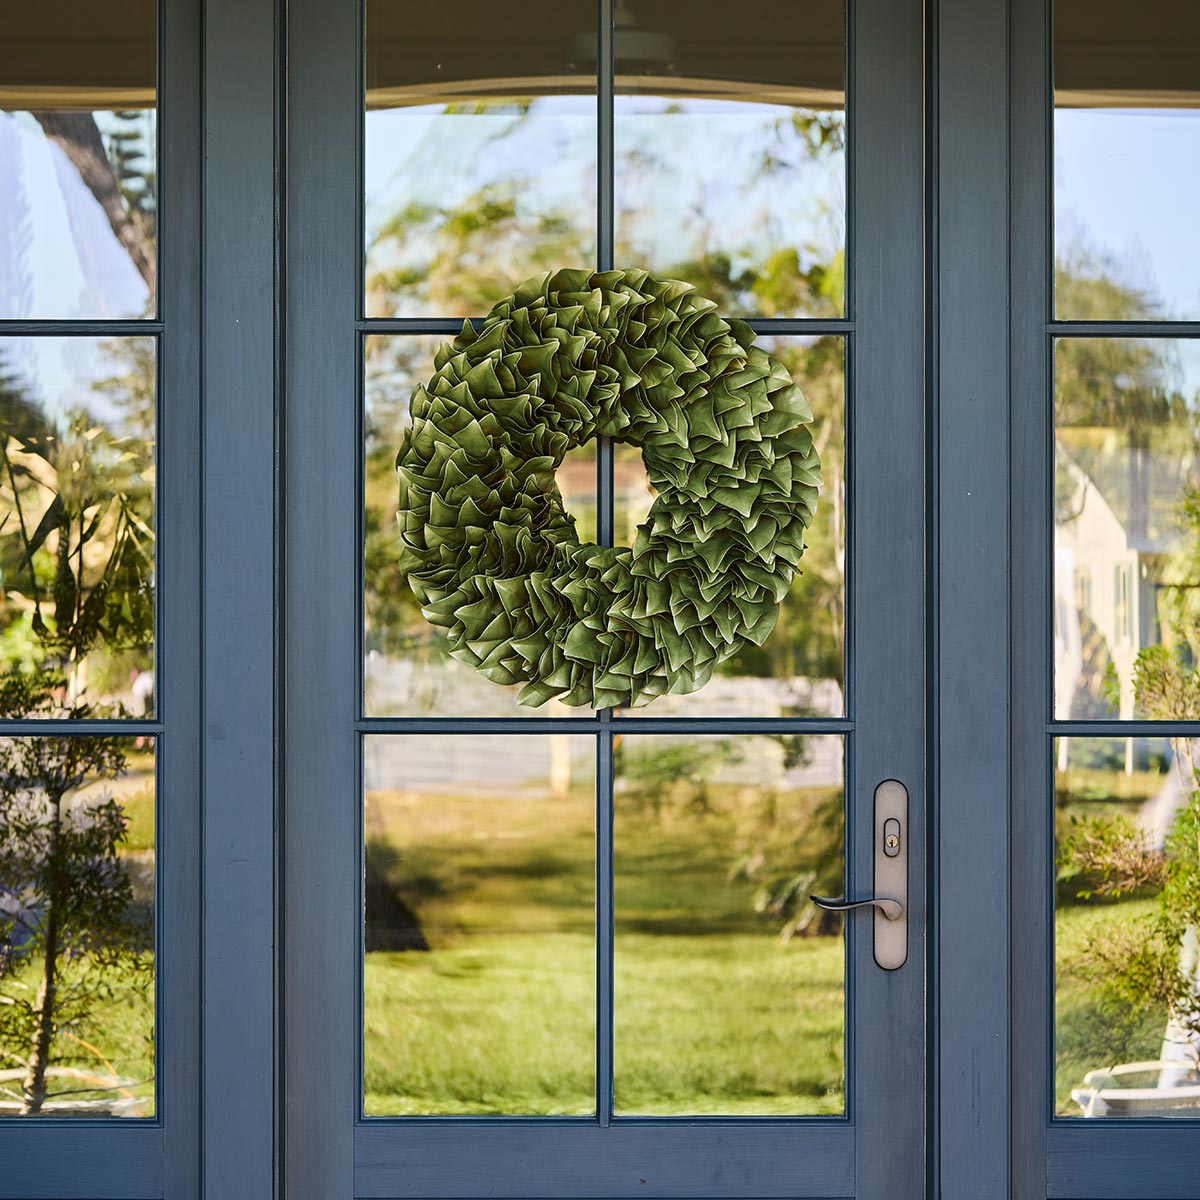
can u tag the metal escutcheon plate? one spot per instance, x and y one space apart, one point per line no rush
891 872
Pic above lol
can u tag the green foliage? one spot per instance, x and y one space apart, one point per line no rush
1095 1024
76 573
130 151
76 536
1149 964
785 846
1109 856
458 258
68 916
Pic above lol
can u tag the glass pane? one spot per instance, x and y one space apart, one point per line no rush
77 517
730 150
77 888
480 925
729 985
1127 994
1127 528
1126 160
78 160
407 670
800 669
480 153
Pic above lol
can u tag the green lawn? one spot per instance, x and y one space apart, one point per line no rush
725 1024
714 1014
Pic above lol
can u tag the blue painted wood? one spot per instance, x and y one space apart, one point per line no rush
882 1153
323 789
239 545
1107 1160
130 1160
55 1160
1074 1160
1032 543
972 360
649 1159
887 545
177 757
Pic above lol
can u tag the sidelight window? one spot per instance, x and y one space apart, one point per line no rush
80 702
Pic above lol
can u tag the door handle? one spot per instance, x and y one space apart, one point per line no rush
891 877
892 910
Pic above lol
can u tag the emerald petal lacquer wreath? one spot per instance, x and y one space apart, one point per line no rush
489 548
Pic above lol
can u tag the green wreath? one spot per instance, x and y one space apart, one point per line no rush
489 548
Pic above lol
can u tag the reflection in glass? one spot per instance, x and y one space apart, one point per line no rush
730 150
480 151
480 937
76 919
799 670
1127 984
77 517
78 151
1127 528
729 988
406 668
1126 160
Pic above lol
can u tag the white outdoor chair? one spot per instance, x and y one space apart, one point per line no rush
1105 1092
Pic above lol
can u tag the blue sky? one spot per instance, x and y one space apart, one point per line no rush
1127 183
59 259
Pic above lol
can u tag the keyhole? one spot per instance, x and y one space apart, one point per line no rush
891 837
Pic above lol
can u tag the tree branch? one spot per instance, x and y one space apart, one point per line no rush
79 138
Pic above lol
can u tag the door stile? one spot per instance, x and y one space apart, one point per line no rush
238 598
1032 543
321 816
179 775
972 581
887 439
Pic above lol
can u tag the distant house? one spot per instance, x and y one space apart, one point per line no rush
1116 532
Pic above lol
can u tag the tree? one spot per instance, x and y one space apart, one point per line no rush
118 178
76 539
1150 964
77 555
67 909
1154 963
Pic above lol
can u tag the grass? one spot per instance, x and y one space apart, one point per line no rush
729 1025
726 1024
713 1013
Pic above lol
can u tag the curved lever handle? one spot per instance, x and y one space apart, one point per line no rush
892 910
